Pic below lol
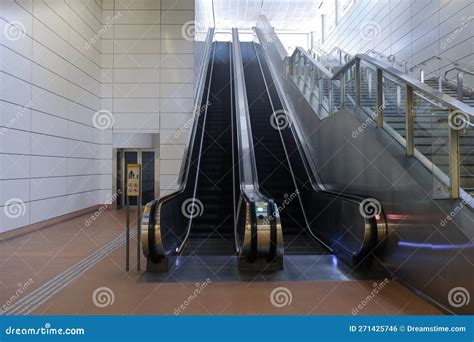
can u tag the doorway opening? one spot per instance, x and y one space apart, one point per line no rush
149 175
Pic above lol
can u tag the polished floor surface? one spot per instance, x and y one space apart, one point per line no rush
72 268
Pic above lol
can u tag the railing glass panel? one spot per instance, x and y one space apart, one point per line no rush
336 95
466 152
438 152
425 131
349 88
368 88
394 101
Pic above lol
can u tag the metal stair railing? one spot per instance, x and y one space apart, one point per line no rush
315 80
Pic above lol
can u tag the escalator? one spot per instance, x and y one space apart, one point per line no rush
274 172
198 218
217 210
212 231
245 189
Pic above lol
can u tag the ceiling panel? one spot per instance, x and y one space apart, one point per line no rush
291 15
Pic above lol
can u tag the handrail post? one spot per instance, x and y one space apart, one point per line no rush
305 72
454 160
288 67
409 126
321 91
369 83
422 76
399 98
357 82
440 84
342 82
460 83
379 98
330 96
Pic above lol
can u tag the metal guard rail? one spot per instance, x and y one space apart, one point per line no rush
301 59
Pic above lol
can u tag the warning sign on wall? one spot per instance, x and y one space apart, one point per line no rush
133 180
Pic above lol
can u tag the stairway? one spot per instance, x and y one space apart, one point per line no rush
431 130
433 82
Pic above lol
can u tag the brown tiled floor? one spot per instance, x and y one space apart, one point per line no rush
45 253
42 255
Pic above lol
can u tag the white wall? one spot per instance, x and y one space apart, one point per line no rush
412 30
74 73
293 40
203 20
49 91
148 75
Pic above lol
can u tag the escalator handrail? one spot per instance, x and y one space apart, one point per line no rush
249 187
154 222
247 167
182 178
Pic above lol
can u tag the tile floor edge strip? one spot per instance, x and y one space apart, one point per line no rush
40 295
